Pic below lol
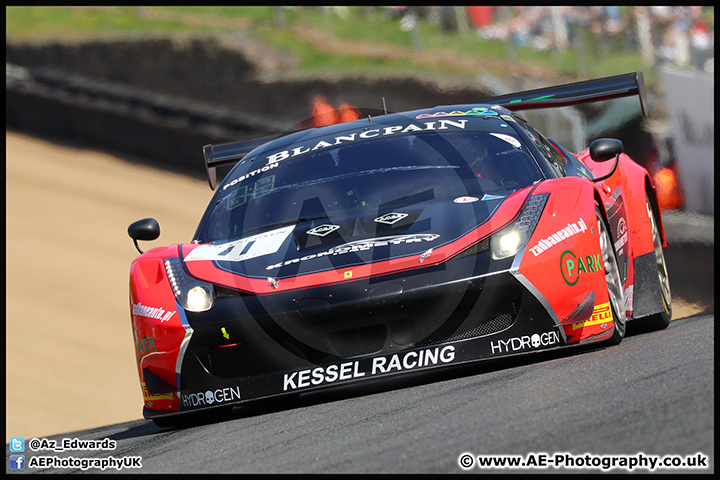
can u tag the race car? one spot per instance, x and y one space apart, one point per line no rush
397 243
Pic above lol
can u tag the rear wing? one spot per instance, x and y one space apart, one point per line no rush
226 154
574 93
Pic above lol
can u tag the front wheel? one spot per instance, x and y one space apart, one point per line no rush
613 281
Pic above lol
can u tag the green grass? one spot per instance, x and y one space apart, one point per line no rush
312 60
377 28
263 14
31 22
362 24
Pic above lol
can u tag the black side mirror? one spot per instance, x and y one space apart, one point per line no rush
604 149
145 229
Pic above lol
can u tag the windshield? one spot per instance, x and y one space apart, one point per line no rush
363 178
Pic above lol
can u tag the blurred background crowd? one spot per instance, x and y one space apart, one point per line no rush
683 35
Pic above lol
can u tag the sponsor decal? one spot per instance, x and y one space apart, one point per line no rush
322 230
348 274
391 218
573 267
602 314
525 342
143 345
241 178
146 345
491 197
366 134
158 313
211 397
622 235
465 200
557 237
362 245
475 111
511 140
368 367
243 249
152 398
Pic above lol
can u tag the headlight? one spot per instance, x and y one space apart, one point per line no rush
200 298
509 241
506 244
191 294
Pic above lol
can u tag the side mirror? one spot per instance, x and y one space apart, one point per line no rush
604 149
145 229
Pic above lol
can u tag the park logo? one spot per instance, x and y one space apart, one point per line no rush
572 267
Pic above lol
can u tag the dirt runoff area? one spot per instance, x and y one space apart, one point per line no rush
70 359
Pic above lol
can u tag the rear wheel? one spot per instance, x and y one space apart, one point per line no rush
613 281
662 319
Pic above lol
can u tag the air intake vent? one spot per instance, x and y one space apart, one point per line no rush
360 341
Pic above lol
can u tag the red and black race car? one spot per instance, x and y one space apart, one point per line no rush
397 243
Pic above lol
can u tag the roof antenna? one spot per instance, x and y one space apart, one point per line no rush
370 118
384 106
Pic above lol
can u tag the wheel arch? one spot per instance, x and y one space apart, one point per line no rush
601 205
651 192
647 290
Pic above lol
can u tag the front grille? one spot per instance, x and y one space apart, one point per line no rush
497 322
359 341
478 315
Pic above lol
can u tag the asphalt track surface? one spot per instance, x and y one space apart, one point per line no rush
652 395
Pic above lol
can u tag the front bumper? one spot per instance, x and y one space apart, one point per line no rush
253 347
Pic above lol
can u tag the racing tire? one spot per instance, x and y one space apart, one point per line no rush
613 281
192 419
660 320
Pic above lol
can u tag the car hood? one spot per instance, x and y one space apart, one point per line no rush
322 251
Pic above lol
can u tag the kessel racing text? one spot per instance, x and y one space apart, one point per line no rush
361 368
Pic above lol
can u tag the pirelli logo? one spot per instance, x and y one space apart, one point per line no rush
601 314
149 398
